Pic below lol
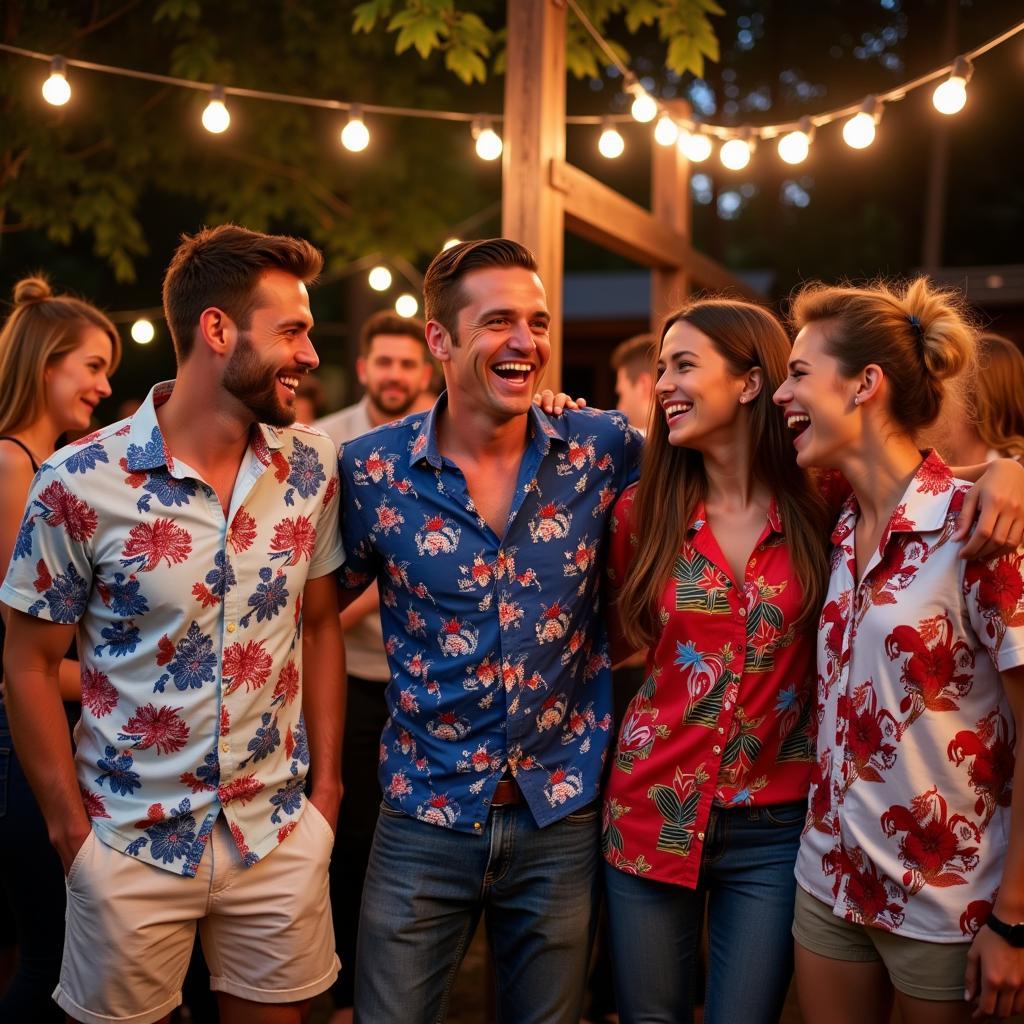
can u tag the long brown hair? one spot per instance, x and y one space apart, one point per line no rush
673 480
41 330
998 395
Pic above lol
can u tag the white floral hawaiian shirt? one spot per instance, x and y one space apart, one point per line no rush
189 628
909 805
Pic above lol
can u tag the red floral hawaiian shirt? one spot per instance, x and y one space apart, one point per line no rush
725 714
910 796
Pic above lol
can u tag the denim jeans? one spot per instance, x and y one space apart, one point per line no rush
747 882
425 890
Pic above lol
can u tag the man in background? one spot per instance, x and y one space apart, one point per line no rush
394 368
633 362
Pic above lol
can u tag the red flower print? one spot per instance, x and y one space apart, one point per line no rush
877 900
332 489
160 728
62 508
98 693
1000 586
243 531
131 479
975 916
93 803
933 476
281 467
164 650
991 772
151 543
295 538
287 688
243 789
246 664
869 734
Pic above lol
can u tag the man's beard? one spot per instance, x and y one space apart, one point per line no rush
396 404
254 384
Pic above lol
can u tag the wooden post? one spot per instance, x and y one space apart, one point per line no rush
533 131
670 204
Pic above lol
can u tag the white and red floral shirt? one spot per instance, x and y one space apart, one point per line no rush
909 807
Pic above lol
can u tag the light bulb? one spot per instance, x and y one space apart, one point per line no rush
406 305
380 279
449 242
611 144
488 142
795 145
696 146
859 131
56 90
644 107
355 136
216 118
735 154
143 331
950 96
666 131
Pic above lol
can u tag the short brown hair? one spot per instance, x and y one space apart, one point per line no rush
221 267
442 296
386 322
636 355
920 336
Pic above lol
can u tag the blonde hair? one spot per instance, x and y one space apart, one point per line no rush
41 330
920 335
998 395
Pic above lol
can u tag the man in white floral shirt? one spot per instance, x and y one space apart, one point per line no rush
193 546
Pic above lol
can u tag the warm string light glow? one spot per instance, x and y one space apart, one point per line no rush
379 279
695 146
859 131
735 153
216 118
950 96
666 131
488 141
610 145
143 331
644 107
794 146
355 136
56 90
406 305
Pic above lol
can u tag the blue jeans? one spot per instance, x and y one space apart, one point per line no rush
746 880
425 890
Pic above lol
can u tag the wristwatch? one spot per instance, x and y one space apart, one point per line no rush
1012 933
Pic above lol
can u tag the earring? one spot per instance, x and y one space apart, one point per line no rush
856 399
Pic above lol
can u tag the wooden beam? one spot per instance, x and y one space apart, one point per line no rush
598 213
534 136
670 205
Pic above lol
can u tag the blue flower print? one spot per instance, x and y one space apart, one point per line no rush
66 596
206 778
221 578
122 639
147 456
270 597
194 660
287 799
307 470
136 846
266 740
23 542
116 769
173 837
125 598
169 490
787 699
191 865
86 458
300 754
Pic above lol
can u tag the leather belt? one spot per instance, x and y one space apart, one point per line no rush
506 792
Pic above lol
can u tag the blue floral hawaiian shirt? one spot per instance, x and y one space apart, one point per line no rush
189 628
497 647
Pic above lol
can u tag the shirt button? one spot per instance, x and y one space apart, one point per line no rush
231 627
477 825
225 747
717 749
720 730
743 613
700 836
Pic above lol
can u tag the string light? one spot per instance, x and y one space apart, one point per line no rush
355 136
143 331
951 95
406 305
735 153
610 145
695 146
56 90
379 279
450 242
488 141
794 146
644 107
666 131
859 131
216 118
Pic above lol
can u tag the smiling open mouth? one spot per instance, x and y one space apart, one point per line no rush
797 422
289 382
675 409
516 373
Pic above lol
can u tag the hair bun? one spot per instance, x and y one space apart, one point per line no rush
31 289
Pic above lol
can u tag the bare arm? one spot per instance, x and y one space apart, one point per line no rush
354 611
324 691
33 652
995 969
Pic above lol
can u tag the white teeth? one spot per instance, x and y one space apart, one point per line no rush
289 382
677 407
520 367
796 419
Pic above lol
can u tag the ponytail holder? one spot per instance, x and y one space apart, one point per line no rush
918 329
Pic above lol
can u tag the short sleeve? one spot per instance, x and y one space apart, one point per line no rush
994 595
621 551
50 575
328 552
361 561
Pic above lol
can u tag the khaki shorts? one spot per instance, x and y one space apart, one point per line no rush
922 970
266 930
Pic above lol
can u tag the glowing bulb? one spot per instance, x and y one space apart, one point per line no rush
666 131
611 143
406 305
380 279
355 136
794 146
859 131
696 146
216 117
488 141
56 90
951 95
143 331
449 243
644 107
735 154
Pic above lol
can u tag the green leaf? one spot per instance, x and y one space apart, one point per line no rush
466 64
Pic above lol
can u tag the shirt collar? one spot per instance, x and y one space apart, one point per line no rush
699 518
147 449
542 430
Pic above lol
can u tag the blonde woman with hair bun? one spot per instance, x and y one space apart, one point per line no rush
911 865
56 353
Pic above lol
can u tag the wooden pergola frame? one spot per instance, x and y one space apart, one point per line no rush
543 195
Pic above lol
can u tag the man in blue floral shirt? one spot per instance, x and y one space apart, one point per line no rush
482 522
194 547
